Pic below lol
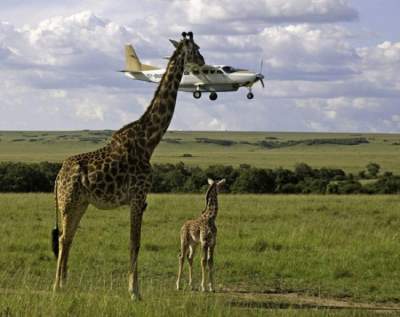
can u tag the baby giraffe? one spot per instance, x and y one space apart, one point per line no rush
204 231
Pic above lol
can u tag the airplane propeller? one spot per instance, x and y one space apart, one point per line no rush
260 76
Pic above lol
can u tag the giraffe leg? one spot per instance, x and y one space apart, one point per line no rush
70 222
137 208
182 255
192 250
210 264
204 252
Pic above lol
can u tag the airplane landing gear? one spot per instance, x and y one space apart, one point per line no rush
250 95
213 96
197 94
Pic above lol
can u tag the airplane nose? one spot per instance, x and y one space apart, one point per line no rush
260 76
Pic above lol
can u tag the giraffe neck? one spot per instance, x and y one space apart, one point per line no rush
212 206
155 121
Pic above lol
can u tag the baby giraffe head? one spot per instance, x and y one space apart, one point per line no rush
212 193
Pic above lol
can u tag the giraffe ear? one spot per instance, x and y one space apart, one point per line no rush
210 181
221 182
174 43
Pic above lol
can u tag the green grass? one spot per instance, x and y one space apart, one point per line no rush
341 247
56 146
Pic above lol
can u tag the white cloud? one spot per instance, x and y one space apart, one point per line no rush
381 65
306 52
88 111
277 11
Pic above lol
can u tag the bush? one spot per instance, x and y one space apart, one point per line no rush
349 187
373 169
21 177
253 180
303 170
40 177
388 184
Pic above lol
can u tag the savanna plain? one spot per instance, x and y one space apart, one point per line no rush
276 255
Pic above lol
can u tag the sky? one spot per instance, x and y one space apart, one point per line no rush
329 65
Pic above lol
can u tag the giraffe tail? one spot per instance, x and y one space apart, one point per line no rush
55 233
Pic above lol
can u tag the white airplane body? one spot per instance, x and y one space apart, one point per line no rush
195 79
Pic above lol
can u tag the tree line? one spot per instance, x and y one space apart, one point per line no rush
176 178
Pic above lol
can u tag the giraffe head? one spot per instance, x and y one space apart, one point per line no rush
190 50
212 192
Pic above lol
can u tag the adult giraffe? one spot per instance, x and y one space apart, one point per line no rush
120 172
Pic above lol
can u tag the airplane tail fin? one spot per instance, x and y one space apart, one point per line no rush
132 62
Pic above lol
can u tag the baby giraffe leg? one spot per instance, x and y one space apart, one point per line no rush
182 255
190 261
210 264
203 267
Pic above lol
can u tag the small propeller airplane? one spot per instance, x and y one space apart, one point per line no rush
205 79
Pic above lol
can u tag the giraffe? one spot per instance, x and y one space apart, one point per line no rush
201 231
119 173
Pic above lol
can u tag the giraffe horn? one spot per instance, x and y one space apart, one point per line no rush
184 34
190 35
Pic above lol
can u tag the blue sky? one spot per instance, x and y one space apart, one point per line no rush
379 17
330 65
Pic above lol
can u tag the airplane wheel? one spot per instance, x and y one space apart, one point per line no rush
213 96
250 95
197 94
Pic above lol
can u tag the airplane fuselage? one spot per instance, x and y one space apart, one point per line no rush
202 79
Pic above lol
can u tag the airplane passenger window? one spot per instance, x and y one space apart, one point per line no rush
228 69
205 71
212 71
219 71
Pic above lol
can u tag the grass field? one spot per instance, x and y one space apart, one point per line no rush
383 149
276 255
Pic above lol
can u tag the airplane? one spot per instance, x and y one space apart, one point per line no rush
205 79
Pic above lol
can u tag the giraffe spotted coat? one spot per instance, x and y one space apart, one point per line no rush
120 172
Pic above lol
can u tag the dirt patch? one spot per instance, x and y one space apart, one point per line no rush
293 300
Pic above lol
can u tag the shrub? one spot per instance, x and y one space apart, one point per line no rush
40 177
373 169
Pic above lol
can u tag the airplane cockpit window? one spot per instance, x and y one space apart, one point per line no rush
228 69
205 71
195 72
219 71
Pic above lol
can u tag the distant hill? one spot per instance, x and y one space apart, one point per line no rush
348 151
